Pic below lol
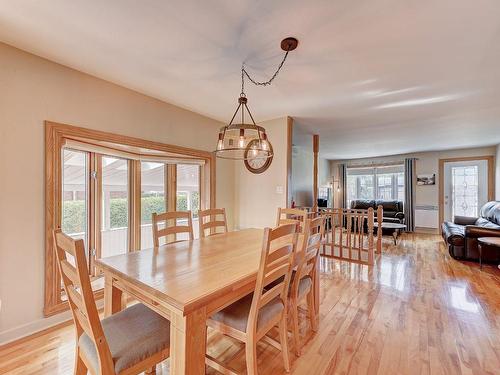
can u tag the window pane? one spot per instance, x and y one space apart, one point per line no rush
188 193
401 186
152 198
365 187
351 189
384 186
74 194
386 182
115 215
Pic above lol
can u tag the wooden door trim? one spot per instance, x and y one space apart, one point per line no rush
491 179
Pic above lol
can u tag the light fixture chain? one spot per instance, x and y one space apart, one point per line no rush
257 83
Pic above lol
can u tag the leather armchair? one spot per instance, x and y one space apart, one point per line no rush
474 231
464 220
461 235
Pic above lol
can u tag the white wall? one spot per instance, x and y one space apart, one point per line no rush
497 174
427 163
32 90
258 196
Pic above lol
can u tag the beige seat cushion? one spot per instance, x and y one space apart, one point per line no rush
133 335
304 285
236 315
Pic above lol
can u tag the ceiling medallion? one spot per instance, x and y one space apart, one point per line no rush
247 140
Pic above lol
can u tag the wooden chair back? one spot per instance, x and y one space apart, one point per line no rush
278 252
291 216
314 230
212 220
76 280
166 225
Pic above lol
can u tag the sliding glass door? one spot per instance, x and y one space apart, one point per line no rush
188 193
114 206
75 194
153 198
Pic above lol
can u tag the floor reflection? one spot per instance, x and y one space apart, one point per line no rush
460 298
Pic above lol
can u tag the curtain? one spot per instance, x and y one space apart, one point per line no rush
410 183
343 185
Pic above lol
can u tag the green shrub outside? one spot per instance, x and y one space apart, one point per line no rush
149 205
73 217
73 220
118 213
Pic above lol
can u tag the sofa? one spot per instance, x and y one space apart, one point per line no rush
461 235
393 209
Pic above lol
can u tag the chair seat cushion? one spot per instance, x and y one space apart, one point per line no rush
236 315
304 285
133 335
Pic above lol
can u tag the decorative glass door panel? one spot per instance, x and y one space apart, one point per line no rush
465 188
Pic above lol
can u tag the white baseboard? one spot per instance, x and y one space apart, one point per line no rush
38 325
30 328
427 230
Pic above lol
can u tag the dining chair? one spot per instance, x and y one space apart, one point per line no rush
302 284
252 317
166 225
129 342
291 215
211 220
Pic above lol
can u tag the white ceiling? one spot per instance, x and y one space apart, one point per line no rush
372 77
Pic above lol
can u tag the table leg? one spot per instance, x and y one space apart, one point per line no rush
395 236
480 248
113 297
188 339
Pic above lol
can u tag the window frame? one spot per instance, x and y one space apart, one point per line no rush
375 172
56 137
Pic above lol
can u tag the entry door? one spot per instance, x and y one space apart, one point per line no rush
465 188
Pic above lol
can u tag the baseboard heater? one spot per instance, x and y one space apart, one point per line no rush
427 216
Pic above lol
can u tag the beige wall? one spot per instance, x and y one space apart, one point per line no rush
33 90
427 163
497 174
302 175
258 196
324 174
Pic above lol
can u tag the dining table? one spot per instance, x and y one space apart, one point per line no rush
186 282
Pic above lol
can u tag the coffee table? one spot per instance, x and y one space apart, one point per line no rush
397 227
488 241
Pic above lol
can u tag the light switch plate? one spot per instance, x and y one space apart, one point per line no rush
279 189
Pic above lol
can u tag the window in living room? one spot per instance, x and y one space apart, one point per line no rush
385 182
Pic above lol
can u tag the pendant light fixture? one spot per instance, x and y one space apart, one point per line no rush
247 140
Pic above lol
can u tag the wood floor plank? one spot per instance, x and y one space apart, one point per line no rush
417 311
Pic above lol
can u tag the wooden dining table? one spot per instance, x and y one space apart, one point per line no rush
186 282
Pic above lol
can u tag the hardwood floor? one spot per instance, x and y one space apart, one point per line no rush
417 311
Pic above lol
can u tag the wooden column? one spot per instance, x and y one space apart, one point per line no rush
315 171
